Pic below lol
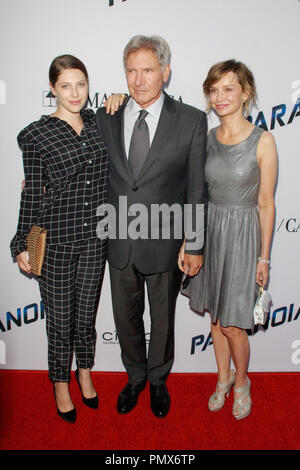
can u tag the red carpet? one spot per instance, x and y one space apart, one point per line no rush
28 418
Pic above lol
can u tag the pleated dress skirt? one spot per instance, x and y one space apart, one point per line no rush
226 283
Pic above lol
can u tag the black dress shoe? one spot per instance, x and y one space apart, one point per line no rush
69 416
128 397
90 402
160 400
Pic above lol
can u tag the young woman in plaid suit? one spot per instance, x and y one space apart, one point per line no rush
66 168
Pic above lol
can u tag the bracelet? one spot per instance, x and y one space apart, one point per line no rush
267 261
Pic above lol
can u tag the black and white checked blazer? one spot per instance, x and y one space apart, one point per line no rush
56 157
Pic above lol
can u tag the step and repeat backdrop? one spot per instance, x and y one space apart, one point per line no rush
264 34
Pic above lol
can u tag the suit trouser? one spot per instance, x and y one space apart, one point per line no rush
70 288
128 299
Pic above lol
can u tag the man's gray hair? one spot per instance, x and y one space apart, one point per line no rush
157 44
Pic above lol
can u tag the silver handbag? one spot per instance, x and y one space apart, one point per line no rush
262 306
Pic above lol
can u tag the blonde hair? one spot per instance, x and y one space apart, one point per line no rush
244 76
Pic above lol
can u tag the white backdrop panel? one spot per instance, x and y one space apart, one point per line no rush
262 33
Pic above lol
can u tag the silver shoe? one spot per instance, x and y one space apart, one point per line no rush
217 399
242 404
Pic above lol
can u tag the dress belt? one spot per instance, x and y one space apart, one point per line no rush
244 205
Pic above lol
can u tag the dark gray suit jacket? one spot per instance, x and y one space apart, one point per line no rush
173 173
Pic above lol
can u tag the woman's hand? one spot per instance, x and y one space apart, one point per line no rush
23 263
189 264
262 273
114 102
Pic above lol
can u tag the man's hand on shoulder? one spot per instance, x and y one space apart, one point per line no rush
113 103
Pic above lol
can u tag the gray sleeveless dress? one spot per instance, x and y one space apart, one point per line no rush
226 283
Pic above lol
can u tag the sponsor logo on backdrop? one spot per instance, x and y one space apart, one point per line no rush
278 317
111 337
281 115
49 101
2 92
111 3
291 225
200 340
94 101
23 316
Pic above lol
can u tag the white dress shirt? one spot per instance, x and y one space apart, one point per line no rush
131 113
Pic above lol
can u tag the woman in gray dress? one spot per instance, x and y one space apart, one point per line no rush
241 171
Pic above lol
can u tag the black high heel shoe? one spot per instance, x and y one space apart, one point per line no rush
69 416
90 402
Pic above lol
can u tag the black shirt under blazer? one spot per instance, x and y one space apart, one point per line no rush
65 172
173 172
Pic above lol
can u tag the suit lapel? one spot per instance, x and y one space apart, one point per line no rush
117 123
164 127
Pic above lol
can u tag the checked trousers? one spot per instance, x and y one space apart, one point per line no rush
70 288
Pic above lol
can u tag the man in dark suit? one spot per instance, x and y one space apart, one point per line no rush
156 161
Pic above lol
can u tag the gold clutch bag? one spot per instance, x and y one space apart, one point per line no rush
36 246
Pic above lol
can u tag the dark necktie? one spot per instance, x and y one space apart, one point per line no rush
139 144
